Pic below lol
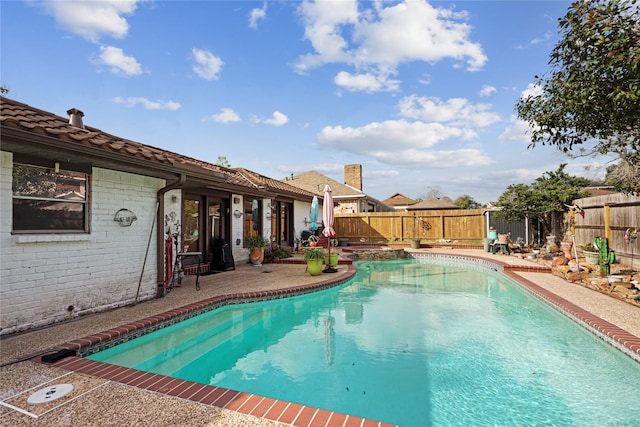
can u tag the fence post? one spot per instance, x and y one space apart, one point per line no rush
607 223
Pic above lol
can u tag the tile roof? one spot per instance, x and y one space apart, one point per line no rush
256 180
22 117
314 182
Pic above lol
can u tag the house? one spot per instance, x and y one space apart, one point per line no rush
347 197
90 221
433 203
399 202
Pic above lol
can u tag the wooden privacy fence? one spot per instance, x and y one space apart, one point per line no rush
608 216
432 225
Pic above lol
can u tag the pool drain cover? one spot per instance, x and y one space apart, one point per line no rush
50 393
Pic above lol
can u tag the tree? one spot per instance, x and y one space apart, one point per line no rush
466 202
431 193
624 175
222 161
592 94
546 199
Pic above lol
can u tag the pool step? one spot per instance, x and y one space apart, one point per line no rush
175 357
151 349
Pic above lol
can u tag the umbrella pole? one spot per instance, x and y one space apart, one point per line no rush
329 268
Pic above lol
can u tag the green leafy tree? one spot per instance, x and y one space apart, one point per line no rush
466 202
222 161
546 199
592 92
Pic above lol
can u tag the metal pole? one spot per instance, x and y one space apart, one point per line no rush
144 263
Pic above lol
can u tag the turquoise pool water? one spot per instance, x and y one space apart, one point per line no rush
411 342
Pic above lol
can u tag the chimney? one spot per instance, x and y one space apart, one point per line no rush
353 176
75 118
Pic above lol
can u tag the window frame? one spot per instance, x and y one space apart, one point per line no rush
30 162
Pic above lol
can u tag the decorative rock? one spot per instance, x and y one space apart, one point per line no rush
560 261
624 291
627 285
576 276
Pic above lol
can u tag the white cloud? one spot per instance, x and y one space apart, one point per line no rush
365 82
531 90
92 19
455 111
322 21
207 65
519 131
537 40
227 115
379 39
148 104
277 119
118 62
256 15
487 90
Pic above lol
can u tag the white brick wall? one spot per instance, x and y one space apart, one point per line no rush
43 274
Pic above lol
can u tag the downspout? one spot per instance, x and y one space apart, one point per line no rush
160 232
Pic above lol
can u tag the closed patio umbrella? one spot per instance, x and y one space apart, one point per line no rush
327 219
313 215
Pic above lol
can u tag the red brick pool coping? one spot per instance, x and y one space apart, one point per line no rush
286 412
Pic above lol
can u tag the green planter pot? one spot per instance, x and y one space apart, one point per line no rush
331 260
591 257
314 267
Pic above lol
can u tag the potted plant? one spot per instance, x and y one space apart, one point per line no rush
314 258
591 253
256 245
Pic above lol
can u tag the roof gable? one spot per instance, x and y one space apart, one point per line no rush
398 199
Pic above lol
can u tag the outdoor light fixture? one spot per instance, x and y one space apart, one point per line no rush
125 217
237 213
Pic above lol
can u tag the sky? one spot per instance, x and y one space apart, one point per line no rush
421 94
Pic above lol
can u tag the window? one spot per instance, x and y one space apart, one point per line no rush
48 201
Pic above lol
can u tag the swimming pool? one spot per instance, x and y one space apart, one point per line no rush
408 342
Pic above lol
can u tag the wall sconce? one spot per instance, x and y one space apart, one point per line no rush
237 213
236 200
124 217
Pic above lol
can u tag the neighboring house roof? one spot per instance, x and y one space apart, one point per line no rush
30 131
398 199
314 182
600 191
434 203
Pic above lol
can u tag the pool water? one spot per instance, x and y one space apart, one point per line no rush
409 342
